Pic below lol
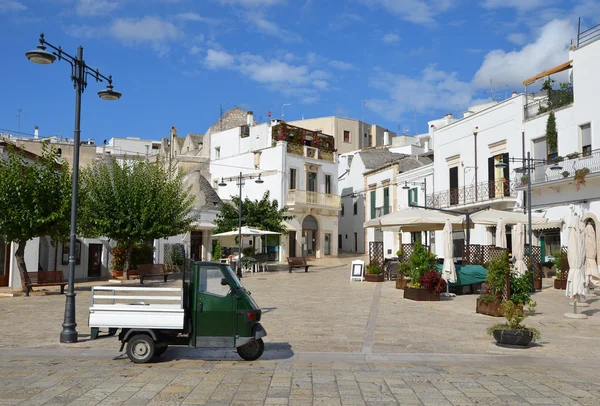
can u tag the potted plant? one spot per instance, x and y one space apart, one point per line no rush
374 273
573 155
403 273
420 263
489 303
524 180
566 174
561 275
119 256
513 332
580 175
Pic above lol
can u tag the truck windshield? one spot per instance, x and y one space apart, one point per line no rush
232 275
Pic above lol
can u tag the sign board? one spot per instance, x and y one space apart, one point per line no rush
357 270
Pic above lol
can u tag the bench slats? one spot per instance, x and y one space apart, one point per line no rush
44 278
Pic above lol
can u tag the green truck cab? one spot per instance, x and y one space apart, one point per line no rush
214 310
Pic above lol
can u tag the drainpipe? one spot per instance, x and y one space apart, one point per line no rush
475 131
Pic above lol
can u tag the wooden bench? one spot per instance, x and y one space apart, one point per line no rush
44 278
153 270
298 262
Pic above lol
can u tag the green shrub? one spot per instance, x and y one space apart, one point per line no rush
498 268
141 254
420 262
216 250
373 269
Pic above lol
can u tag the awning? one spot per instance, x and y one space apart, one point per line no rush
550 224
289 227
203 225
491 217
556 69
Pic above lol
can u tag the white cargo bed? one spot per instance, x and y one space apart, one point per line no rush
129 307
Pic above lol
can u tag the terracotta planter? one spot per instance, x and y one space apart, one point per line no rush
401 283
117 274
493 309
520 338
374 277
537 284
420 295
560 284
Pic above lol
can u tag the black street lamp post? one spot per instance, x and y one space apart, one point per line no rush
79 73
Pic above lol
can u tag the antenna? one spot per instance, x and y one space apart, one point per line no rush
221 115
282 106
494 91
19 111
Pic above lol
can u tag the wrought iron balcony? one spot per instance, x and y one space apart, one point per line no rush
482 192
304 197
570 166
382 211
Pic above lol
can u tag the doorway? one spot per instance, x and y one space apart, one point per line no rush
310 230
95 261
327 247
196 246
355 242
454 185
4 261
292 243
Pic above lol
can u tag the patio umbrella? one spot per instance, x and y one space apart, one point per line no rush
591 267
500 234
246 231
415 219
518 243
576 257
449 270
491 217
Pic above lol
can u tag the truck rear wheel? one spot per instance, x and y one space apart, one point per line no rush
140 348
251 351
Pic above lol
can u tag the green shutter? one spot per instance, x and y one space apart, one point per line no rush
373 211
413 196
386 200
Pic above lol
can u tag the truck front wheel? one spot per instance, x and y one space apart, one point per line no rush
140 348
251 351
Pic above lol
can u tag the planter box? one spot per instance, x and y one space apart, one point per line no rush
560 284
374 277
493 309
420 295
537 284
401 283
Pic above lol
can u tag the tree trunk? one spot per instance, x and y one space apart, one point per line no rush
20 257
128 260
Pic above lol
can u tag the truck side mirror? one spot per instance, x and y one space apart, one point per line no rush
224 282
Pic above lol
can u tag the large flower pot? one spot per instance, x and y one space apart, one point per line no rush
374 277
420 295
513 337
490 308
117 274
401 283
560 284
537 284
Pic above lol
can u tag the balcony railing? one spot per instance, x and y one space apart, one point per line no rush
482 192
551 101
382 211
543 173
314 199
309 152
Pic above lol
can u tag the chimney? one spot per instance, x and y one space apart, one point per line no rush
173 132
250 119
91 141
386 138
36 132
514 94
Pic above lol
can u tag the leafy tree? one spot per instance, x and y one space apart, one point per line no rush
35 196
551 134
263 214
133 202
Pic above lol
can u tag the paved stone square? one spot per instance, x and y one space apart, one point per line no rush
330 341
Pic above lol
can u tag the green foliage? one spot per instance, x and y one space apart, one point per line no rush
373 269
399 252
557 261
514 314
132 202
420 262
489 298
520 286
263 214
35 196
551 134
216 250
498 268
580 175
566 174
141 253
119 258
249 252
404 269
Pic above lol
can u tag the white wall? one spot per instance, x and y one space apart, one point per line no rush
349 224
390 239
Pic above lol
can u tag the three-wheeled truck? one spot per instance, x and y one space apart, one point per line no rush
212 309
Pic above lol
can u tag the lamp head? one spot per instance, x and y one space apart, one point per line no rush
405 187
259 180
501 164
109 93
222 183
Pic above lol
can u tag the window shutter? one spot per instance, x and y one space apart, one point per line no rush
373 208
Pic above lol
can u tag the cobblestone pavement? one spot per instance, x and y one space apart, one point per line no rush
331 341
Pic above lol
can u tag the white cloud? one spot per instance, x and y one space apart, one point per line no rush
414 11
218 59
191 16
341 65
521 5
251 3
145 29
390 38
343 20
91 8
267 27
195 50
11 5
517 38
511 68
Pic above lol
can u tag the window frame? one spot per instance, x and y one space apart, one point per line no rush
349 136
293 185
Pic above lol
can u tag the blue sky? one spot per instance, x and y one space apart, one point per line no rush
176 61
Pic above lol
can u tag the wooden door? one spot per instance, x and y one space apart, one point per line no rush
292 243
196 246
95 261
